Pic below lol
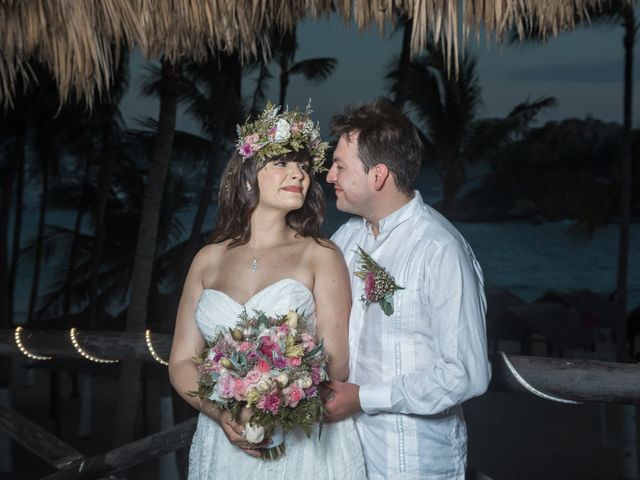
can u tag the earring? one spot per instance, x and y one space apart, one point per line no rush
248 186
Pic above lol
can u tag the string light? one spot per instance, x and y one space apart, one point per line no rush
74 341
23 349
152 351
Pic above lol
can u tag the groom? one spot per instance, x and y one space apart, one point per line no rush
420 351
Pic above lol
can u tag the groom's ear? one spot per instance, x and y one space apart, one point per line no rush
380 175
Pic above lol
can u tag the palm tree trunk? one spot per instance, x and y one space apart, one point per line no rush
37 267
404 65
86 380
284 83
453 180
203 206
73 251
17 223
287 47
107 167
630 447
5 211
625 187
258 92
129 385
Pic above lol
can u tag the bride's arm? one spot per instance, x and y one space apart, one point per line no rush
187 340
332 293
187 343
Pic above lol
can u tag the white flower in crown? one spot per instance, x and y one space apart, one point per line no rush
311 130
282 131
274 134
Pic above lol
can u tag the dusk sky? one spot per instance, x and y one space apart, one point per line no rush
583 69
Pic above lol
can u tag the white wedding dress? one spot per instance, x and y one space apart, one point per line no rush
335 455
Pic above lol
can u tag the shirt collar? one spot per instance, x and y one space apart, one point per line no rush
404 213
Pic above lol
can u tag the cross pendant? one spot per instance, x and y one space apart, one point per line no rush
254 265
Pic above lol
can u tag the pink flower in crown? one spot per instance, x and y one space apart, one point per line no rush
239 389
246 150
253 376
271 133
263 366
297 127
253 139
226 386
244 346
370 286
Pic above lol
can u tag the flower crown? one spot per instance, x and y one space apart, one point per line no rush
274 134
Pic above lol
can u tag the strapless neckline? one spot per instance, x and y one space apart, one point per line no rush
259 292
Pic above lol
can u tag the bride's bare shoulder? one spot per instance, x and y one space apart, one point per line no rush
209 255
322 251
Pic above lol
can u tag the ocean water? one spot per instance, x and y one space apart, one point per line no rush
529 259
523 258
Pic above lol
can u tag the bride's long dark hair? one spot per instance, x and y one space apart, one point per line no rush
236 202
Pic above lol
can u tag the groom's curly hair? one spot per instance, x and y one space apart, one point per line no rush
385 135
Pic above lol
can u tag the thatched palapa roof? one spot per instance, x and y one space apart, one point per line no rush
76 39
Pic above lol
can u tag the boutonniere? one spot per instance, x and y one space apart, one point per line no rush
379 286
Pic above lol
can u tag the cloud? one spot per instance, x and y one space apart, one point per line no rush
606 71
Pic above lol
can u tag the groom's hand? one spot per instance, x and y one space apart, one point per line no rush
343 402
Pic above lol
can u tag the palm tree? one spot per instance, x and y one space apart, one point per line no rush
214 98
284 44
13 126
404 64
446 106
52 126
111 124
618 12
121 220
259 92
129 385
18 212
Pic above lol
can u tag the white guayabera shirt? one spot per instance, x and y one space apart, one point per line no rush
418 365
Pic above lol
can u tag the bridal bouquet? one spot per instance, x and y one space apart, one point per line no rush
271 364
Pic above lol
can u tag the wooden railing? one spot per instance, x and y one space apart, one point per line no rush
566 380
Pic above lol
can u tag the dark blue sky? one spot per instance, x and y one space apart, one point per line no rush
582 69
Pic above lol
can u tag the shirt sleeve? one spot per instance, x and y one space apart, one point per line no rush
455 305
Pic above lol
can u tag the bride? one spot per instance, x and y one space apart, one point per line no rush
266 254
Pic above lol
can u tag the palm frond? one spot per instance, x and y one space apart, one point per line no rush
489 135
314 69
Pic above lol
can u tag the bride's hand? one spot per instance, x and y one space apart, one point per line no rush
234 430
245 415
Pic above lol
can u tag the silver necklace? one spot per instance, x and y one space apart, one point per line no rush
254 263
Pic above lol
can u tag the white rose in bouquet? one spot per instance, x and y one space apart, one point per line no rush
253 433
